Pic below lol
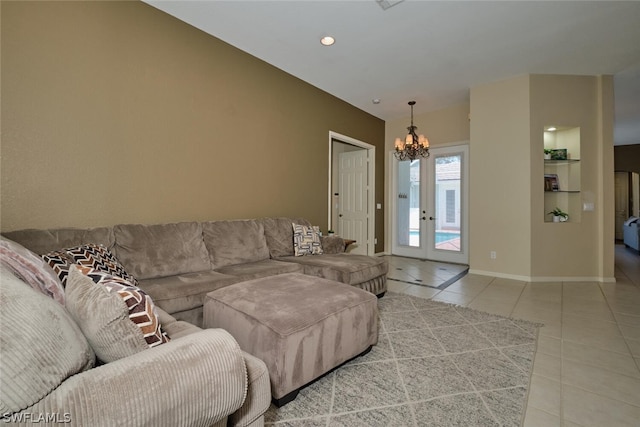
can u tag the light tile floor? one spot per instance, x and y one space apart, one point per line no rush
587 365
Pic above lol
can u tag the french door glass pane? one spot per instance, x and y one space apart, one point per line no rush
447 202
409 203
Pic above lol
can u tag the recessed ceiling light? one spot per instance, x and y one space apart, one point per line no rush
327 40
376 101
551 128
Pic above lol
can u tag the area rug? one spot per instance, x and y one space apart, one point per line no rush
435 364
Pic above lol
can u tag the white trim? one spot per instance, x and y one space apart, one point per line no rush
543 278
371 183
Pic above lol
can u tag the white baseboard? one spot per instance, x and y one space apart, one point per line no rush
543 278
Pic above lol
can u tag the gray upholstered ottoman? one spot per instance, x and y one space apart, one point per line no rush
300 326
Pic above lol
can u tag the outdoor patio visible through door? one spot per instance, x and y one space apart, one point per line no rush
430 220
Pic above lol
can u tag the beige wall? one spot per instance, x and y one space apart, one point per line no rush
442 127
584 248
507 197
114 112
500 178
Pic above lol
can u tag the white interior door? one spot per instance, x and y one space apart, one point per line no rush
353 206
431 218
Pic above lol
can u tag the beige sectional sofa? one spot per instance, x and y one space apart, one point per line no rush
49 375
177 264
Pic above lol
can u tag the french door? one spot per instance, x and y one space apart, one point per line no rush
430 218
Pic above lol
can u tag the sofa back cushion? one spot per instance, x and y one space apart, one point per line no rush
235 242
41 346
45 241
161 250
279 234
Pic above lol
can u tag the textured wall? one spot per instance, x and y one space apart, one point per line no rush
114 112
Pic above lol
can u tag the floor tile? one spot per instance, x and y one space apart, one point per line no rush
599 381
550 346
547 366
605 359
421 291
593 410
454 298
499 307
537 418
544 394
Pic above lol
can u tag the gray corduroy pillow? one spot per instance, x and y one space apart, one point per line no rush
40 345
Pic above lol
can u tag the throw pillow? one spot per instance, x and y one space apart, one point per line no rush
100 258
306 240
59 262
117 318
31 269
90 255
40 346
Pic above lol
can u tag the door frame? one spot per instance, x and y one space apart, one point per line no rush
371 190
425 252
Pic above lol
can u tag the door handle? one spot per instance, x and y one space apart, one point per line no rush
340 215
424 218
431 218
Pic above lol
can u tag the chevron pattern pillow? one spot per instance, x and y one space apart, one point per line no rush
89 255
100 258
306 240
60 262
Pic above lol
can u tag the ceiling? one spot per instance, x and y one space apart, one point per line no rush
431 51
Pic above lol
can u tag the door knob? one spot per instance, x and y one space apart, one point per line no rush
424 218
340 215
431 218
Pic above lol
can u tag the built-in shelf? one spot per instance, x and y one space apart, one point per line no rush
562 182
560 162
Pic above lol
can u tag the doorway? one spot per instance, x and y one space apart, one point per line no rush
351 192
621 201
430 216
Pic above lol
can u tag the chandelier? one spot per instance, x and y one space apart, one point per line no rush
414 146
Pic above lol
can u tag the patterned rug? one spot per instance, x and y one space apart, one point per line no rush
435 364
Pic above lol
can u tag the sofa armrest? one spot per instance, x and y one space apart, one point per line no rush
195 380
332 244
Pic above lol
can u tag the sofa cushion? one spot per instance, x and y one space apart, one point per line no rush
44 241
255 270
161 250
345 268
31 269
234 242
40 345
279 235
306 240
117 319
184 291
